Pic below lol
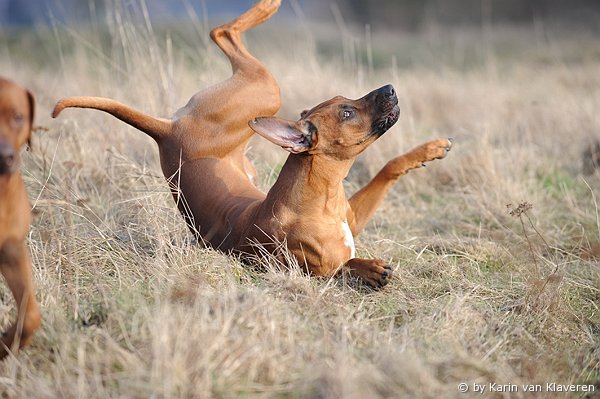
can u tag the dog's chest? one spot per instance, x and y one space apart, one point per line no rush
348 239
10 252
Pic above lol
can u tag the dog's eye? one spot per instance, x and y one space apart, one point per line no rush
18 119
347 114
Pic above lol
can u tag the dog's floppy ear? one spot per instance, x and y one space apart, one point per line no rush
296 137
31 99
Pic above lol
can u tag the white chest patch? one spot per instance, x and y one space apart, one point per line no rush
349 239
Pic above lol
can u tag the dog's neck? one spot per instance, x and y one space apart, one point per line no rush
8 184
11 185
311 181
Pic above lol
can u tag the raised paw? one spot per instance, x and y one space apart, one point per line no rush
434 149
374 272
416 158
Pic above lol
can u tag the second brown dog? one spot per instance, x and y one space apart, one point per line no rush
16 118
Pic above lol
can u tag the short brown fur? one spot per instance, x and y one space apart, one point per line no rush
202 153
16 118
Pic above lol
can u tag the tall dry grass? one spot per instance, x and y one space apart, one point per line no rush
132 308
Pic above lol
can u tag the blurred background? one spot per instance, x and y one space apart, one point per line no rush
400 14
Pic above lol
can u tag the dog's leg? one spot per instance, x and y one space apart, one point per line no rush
247 70
228 36
365 202
374 272
15 266
251 91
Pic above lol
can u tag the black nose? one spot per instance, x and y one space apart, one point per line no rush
388 91
6 150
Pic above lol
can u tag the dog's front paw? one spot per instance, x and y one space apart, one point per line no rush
434 149
374 272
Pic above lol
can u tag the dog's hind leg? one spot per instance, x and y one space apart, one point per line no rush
365 202
251 91
228 36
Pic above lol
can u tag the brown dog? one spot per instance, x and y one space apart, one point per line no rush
202 156
307 207
16 117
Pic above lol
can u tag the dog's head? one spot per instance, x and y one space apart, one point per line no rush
338 128
16 118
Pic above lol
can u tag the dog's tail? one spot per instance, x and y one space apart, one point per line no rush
154 127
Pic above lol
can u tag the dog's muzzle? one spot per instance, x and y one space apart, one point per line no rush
8 158
386 107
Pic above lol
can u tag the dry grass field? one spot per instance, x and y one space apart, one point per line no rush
132 308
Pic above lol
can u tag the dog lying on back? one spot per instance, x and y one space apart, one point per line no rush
202 154
16 118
